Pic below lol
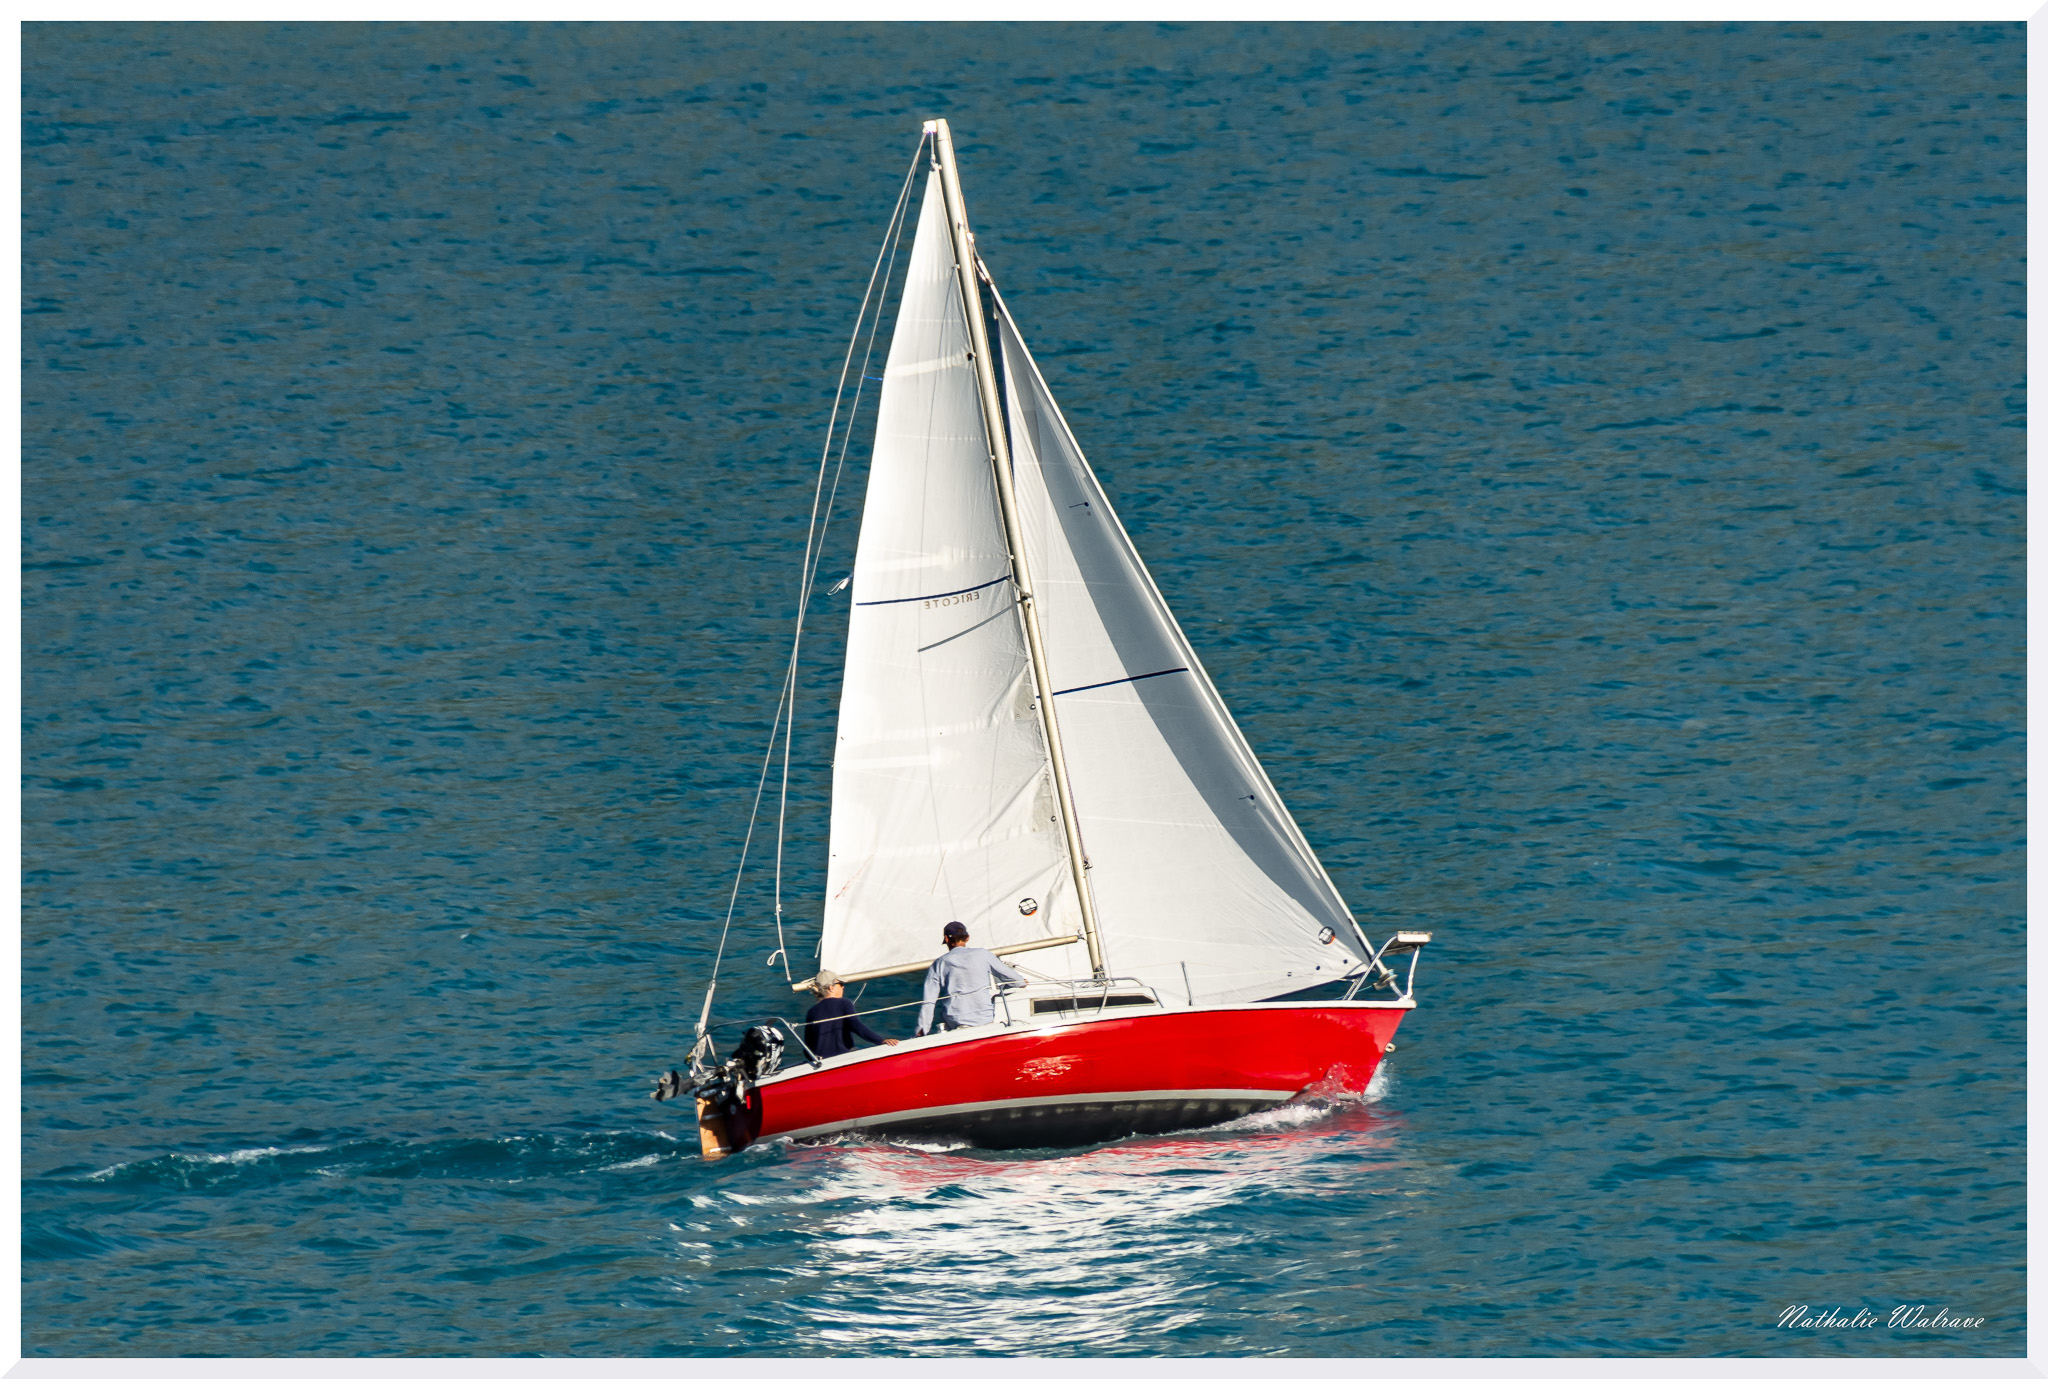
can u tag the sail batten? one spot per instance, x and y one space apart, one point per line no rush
948 594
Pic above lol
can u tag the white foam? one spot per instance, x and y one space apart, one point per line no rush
1286 1116
879 1139
1319 1101
644 1161
237 1156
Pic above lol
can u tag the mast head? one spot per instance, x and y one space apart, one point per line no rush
932 126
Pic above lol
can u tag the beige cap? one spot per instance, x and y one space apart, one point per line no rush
825 981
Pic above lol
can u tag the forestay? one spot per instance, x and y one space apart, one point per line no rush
1193 859
942 798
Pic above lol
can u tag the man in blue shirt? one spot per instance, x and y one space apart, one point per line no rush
962 977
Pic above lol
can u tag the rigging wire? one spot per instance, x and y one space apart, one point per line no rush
812 560
785 703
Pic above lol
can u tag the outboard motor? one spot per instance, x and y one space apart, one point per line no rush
759 1053
728 1117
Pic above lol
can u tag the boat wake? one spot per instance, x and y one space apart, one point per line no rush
911 1142
1325 1099
1291 1115
508 1158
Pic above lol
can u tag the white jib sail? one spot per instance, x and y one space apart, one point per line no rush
1192 857
942 796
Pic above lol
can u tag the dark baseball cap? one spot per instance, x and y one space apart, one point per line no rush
955 929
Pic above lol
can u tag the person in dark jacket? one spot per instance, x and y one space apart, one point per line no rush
831 1025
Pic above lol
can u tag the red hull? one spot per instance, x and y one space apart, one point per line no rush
1080 1082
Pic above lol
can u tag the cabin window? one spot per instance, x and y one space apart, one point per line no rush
1050 1005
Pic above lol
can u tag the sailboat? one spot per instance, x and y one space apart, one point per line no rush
1028 745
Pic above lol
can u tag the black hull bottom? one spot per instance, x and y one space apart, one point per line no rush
1066 1126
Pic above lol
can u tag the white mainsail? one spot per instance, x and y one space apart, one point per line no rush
942 797
1192 857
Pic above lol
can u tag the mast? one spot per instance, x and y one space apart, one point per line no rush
999 456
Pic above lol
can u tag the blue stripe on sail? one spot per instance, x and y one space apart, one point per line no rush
919 598
1177 670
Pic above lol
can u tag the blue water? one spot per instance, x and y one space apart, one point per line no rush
1588 457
